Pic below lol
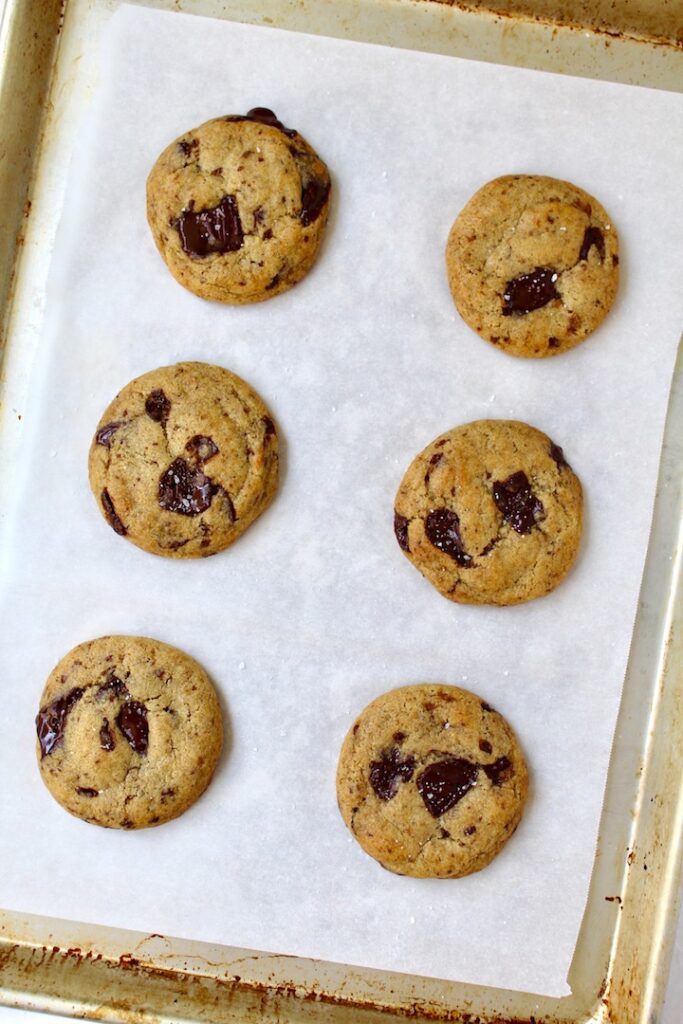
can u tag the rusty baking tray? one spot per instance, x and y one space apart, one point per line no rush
619 968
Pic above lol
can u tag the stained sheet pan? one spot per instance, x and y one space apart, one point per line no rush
620 957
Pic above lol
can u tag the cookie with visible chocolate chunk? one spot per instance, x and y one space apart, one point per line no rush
533 264
184 459
238 207
490 513
431 781
129 732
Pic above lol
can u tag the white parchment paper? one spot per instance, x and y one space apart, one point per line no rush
315 611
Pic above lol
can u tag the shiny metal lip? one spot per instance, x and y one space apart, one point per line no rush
619 968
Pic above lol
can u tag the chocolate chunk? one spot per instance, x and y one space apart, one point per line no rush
470 830
443 530
485 746
107 741
84 791
530 291
203 448
273 283
110 513
265 116
187 147
217 229
314 194
157 406
399 737
185 489
499 771
519 505
557 455
389 771
444 784
487 707
401 530
592 237
112 685
132 721
51 720
269 426
105 433
553 342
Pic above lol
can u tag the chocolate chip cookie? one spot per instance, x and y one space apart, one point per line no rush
533 264
431 781
238 207
129 732
184 459
491 513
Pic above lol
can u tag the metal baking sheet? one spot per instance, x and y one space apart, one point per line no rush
132 962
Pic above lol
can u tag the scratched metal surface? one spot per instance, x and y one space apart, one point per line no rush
619 969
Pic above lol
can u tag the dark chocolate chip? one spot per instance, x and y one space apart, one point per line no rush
203 448
107 741
84 791
485 746
105 433
273 283
269 425
436 459
499 771
265 116
110 513
401 530
557 455
470 830
518 503
592 237
487 707
51 720
112 685
444 784
615 260
185 489
132 721
217 229
389 771
399 737
443 530
267 234
530 291
157 406
445 834
313 197
553 342
187 147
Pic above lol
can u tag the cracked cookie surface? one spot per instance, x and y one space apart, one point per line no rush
184 459
238 207
533 264
490 513
431 781
129 732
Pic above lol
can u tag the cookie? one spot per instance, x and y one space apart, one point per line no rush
533 264
238 207
184 460
431 781
129 732
491 513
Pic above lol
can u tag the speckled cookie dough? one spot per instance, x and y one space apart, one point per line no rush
431 781
533 264
184 459
129 732
490 513
238 207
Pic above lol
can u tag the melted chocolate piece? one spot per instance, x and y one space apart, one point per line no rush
314 194
107 741
592 237
499 771
217 229
518 503
203 448
187 147
401 531
553 342
185 489
487 707
51 720
273 283
157 406
530 291
84 791
264 116
112 685
443 530
444 784
269 425
557 455
399 737
485 746
105 433
132 721
110 513
389 771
